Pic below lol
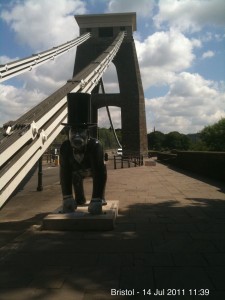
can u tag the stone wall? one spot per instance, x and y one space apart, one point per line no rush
209 164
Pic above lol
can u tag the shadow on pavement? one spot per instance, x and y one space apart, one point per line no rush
214 182
154 246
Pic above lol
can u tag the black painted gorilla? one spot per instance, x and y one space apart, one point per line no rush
82 156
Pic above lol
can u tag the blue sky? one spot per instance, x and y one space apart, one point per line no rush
180 46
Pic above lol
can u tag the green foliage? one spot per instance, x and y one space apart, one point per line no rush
107 138
213 136
176 140
119 134
199 145
156 140
173 140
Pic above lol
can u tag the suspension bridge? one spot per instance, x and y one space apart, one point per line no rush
103 39
169 236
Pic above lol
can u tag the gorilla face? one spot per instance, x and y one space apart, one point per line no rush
78 138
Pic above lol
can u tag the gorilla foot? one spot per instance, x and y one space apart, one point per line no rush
95 206
104 202
69 205
81 201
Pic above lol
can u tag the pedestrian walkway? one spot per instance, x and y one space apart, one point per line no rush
169 240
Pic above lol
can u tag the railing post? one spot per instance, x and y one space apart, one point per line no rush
114 162
40 186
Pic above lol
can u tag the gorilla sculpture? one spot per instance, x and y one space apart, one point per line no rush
81 156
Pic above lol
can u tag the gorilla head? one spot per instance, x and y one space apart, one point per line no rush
78 138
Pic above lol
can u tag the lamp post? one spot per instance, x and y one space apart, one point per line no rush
40 186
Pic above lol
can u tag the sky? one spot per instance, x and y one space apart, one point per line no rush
180 46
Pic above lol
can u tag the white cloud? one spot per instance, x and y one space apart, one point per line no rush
14 102
208 54
115 113
142 8
5 59
110 80
190 15
39 25
50 76
164 53
42 24
191 103
38 84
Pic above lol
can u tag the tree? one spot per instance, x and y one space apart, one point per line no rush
107 138
214 136
156 140
176 140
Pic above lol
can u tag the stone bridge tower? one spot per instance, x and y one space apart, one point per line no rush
104 28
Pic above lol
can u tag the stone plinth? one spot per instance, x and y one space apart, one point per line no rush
81 219
150 163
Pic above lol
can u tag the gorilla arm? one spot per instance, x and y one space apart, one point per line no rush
98 168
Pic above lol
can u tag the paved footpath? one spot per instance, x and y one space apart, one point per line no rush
169 240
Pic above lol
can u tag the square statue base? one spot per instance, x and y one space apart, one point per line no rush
81 219
150 163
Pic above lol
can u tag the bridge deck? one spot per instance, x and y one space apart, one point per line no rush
170 233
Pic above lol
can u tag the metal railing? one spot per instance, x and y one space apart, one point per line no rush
127 161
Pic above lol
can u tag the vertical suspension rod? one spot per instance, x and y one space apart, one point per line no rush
109 116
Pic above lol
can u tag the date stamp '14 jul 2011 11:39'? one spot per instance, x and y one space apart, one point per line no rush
160 292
